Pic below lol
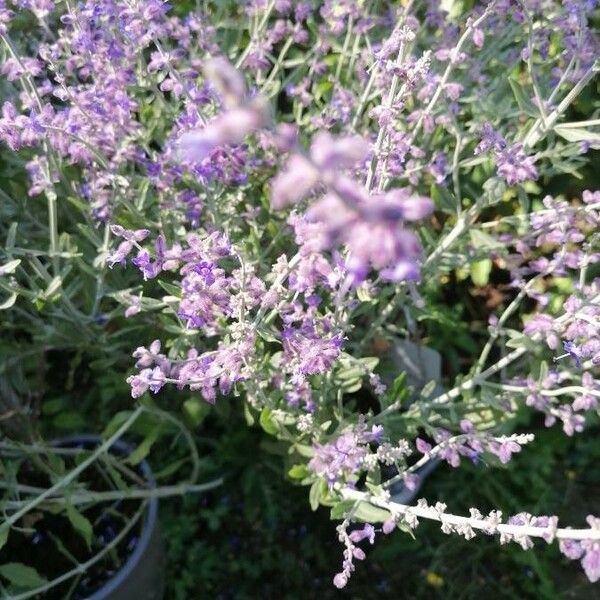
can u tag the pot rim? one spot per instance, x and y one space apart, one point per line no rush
148 527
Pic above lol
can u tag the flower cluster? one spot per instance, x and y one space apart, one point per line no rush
588 551
369 225
514 166
350 453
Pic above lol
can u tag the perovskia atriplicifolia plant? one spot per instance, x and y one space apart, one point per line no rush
295 180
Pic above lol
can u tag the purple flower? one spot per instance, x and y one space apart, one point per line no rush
544 325
388 526
366 533
574 352
571 549
143 263
490 140
422 446
330 153
293 183
136 235
344 456
120 255
504 450
340 580
514 166
230 127
140 383
309 353
591 561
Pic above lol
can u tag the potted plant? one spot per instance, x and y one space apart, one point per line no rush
80 510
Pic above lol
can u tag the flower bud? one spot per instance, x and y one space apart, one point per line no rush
340 580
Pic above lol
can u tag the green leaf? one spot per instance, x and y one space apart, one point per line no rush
483 241
22 576
174 290
480 272
10 266
9 301
52 288
11 237
248 415
4 531
351 386
266 422
363 294
324 87
341 509
267 334
543 371
370 362
138 455
56 463
577 134
406 529
428 389
397 392
444 199
81 524
316 493
70 420
299 472
371 514
115 475
524 102
350 373
303 450
494 188
115 423
53 406
518 340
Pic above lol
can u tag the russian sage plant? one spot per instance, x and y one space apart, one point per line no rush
295 182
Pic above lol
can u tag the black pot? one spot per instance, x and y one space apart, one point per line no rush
142 575
421 365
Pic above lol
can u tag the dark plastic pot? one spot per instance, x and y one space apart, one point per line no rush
421 365
142 575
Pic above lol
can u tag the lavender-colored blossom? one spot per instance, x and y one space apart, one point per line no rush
371 228
543 324
574 352
515 166
591 561
340 458
229 128
366 533
121 254
422 446
293 183
571 549
136 235
310 353
504 450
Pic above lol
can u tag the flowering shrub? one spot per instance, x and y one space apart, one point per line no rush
295 181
